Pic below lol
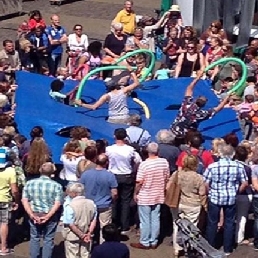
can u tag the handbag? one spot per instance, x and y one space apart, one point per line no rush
173 193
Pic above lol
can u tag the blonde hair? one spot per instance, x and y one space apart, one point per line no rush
10 130
246 144
190 163
216 144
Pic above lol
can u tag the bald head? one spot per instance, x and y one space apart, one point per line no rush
254 43
55 20
102 160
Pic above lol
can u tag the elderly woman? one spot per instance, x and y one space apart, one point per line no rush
135 133
165 139
137 41
115 42
192 196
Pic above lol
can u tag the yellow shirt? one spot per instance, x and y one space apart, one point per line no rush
7 177
128 20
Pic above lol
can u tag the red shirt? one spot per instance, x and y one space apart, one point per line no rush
33 24
207 158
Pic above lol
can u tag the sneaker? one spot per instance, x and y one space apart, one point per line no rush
255 248
124 232
228 254
6 252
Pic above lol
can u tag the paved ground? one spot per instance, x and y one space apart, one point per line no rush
95 16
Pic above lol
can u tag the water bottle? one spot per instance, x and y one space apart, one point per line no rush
159 54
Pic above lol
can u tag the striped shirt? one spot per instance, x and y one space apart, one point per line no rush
42 193
118 108
224 178
152 175
3 157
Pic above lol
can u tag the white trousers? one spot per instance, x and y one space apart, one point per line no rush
243 203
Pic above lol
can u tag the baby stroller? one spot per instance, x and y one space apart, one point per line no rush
190 238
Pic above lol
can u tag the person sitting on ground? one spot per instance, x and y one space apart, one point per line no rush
36 20
191 113
56 86
251 82
116 97
162 73
226 86
137 41
244 115
141 69
3 67
111 248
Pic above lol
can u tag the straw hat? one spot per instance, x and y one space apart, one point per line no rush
174 8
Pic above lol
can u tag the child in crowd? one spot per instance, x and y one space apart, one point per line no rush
36 20
141 67
162 73
226 85
62 74
244 115
55 93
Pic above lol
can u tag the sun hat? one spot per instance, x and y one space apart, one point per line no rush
174 8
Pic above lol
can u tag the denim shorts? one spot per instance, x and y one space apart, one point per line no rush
5 212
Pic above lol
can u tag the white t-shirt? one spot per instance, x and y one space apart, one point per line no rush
74 45
70 166
120 159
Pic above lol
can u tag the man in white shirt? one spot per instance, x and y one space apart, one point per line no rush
123 160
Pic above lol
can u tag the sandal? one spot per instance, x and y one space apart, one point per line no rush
6 252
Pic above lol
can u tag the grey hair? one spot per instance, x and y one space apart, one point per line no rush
153 148
116 26
165 136
77 188
226 151
135 120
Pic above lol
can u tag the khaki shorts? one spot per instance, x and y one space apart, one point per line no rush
124 121
5 212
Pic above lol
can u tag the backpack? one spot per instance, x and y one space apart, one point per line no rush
200 168
136 144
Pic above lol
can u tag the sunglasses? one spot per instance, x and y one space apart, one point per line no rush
78 28
190 47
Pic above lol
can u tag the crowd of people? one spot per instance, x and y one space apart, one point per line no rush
103 191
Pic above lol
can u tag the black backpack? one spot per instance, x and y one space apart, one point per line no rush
201 168
136 144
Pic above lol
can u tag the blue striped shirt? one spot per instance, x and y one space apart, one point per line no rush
42 193
224 178
3 157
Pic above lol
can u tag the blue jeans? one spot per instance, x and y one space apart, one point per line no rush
229 225
149 224
47 232
255 207
55 61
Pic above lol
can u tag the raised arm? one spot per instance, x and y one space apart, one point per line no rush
190 88
134 85
222 104
162 21
104 98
